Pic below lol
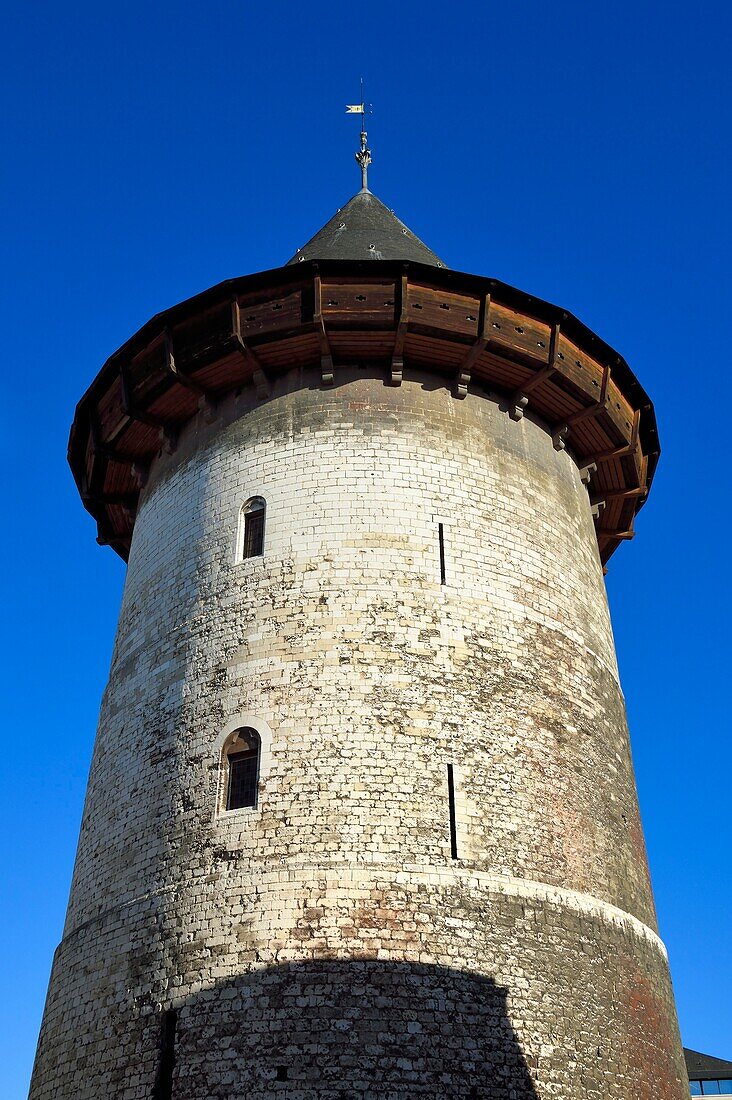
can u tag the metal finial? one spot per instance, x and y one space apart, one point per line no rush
363 157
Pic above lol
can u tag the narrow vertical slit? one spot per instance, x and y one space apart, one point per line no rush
441 536
163 1087
451 799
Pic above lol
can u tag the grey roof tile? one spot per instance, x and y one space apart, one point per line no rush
365 229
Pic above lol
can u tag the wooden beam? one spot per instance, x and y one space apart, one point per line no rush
560 432
105 450
544 372
326 356
128 405
259 376
520 397
128 499
107 537
465 369
98 468
172 368
619 494
624 449
168 433
627 535
396 371
140 473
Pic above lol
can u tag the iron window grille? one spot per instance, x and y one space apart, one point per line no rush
253 535
243 772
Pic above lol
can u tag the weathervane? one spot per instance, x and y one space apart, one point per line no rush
363 157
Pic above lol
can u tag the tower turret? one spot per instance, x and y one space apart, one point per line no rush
361 818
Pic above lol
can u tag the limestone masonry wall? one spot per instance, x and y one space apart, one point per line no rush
326 943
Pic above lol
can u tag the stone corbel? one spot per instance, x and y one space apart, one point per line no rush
519 401
559 439
587 471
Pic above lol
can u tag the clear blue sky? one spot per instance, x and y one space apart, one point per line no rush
577 150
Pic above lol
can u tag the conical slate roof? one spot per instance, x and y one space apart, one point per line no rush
703 1067
365 229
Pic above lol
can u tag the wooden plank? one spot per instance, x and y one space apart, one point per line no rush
579 368
619 409
355 303
176 405
516 331
424 352
276 313
623 449
432 307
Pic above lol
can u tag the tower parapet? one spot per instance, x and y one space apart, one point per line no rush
469 332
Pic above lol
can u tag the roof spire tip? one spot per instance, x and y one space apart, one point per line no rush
363 156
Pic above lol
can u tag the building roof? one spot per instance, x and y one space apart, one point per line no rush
703 1067
365 229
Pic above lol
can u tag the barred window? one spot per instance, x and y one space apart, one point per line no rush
242 760
251 528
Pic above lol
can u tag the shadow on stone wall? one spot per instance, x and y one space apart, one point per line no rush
343 1029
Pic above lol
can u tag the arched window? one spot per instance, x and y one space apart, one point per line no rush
241 759
251 528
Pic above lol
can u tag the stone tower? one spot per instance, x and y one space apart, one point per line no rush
361 818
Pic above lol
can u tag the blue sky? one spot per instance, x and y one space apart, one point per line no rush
579 151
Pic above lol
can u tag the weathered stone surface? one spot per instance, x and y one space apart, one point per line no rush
326 944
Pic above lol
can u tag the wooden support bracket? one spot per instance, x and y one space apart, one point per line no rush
625 449
465 369
396 370
106 537
102 449
167 433
168 437
544 372
172 369
326 356
206 404
587 413
140 474
259 377
520 397
129 407
261 384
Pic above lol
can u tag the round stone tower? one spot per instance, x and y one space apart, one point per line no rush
361 818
